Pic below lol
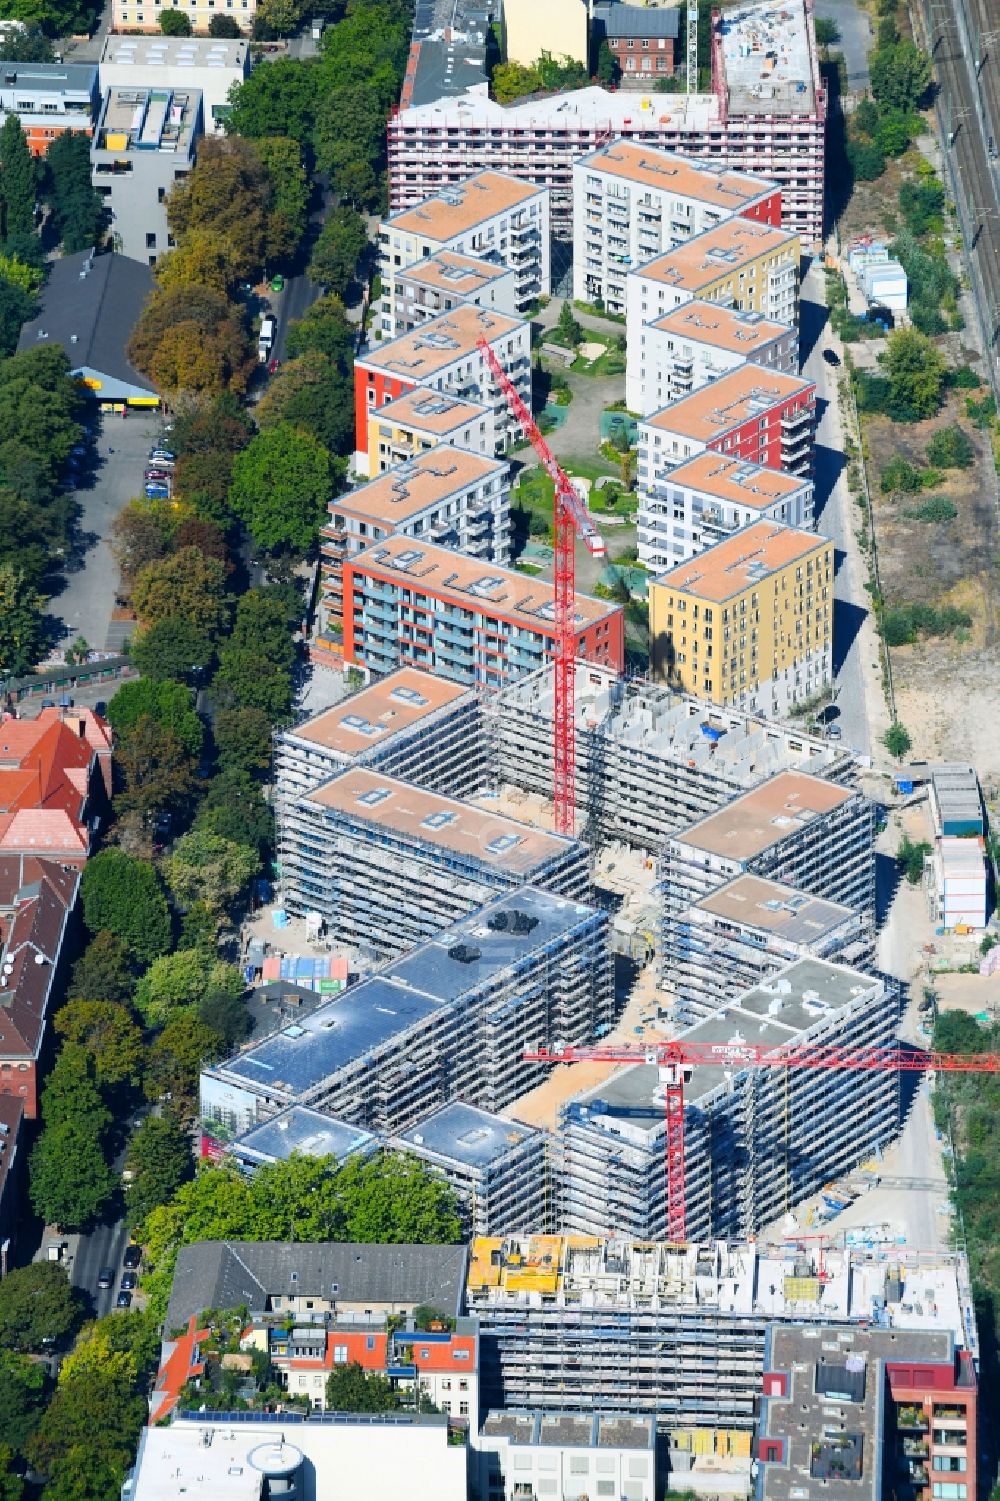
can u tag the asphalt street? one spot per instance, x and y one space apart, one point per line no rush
103 1247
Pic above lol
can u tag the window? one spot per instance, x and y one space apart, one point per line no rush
151 242
340 1354
579 1464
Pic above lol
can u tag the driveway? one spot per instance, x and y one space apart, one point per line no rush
83 606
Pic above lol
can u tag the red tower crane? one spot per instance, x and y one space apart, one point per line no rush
570 517
676 1059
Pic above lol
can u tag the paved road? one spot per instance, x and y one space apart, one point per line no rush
102 1247
855 38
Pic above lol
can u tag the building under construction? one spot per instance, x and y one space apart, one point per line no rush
452 1019
386 864
649 760
757 1140
609 1324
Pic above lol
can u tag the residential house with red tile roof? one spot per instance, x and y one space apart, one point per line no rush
36 899
55 783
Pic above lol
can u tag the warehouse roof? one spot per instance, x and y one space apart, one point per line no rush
764 816
90 305
147 54
742 561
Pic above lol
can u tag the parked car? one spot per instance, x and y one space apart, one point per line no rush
124 1300
157 476
158 492
277 283
831 356
165 454
834 732
106 1277
272 366
129 1280
132 1257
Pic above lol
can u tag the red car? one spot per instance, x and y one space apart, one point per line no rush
272 366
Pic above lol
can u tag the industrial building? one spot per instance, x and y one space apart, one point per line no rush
449 496
444 355
421 420
213 65
496 1167
417 603
601 1324
742 933
452 1019
144 143
696 343
704 500
748 621
578 1454
757 1140
631 203
411 725
648 759
441 281
752 413
48 99
489 214
764 115
386 863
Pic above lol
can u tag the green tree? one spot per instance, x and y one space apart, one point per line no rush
916 371
183 979
37 1304
91 1428
255 663
28 46
159 1159
172 648
910 858
235 808
314 395
230 194
897 740
77 210
394 1198
109 1035
204 867
243 740
951 448
123 895
22 1398
569 326
11 1483
102 971
325 328
513 80
277 100
921 202
187 586
174 23
70 1092
228 1015
191 339
224 27
175 1059
607 67
22 631
866 159
169 703
900 77
202 259
17 179
281 484
158 773
288 215
16 307
337 254
70 1182
827 32
349 1388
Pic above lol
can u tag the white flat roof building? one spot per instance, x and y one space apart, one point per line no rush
211 64
441 281
573 1455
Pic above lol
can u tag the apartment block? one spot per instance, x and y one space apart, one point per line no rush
425 606
441 281
146 15
607 1323
214 65
444 355
751 268
631 203
570 1454
310 1133
422 420
741 934
758 1141
496 1167
451 1019
697 342
448 495
490 215
37 897
387 864
762 416
797 829
702 501
878 1411
649 760
144 143
764 115
48 99
749 621
411 725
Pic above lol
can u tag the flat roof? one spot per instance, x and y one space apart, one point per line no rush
483 587
740 332
503 844
735 398
708 257
439 342
965 857
631 161
310 1132
386 707
742 561
430 411
456 210
768 58
152 52
775 908
447 271
144 120
466 1135
765 815
738 480
425 480
52 78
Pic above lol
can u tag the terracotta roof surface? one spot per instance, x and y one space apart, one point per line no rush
743 561
735 398
678 175
463 206
718 252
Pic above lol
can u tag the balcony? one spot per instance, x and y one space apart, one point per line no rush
911 1419
915 1448
792 422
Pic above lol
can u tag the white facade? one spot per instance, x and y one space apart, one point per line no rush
559 27
144 15
565 1456
959 883
693 344
210 64
440 282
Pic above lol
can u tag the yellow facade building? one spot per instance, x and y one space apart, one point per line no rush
749 622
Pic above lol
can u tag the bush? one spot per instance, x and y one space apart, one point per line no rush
910 856
904 624
964 378
951 449
922 205
899 476
867 161
981 413
936 508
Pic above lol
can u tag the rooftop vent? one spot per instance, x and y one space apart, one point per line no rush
514 921
464 953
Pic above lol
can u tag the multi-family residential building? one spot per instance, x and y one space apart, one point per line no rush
387 864
797 829
441 281
37 896
559 28
644 40
490 214
213 65
310 1133
739 935
144 143
146 15
445 355
410 602
496 1167
55 784
632 202
48 99
569 1454
749 621
649 760
610 1323
765 114
706 499
422 420
451 1019
695 343
758 1141
761 415
12 1153
447 495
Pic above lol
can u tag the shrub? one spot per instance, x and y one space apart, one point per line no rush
936 508
867 161
897 740
964 378
951 449
904 624
922 205
910 856
899 476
